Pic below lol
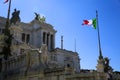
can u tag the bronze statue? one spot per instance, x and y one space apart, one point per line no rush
107 66
15 17
39 18
43 19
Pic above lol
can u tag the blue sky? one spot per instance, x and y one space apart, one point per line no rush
67 15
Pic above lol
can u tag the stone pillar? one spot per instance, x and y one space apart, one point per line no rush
49 42
53 41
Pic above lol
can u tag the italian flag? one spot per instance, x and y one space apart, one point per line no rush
91 22
6 1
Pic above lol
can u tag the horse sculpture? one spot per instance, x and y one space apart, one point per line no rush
15 17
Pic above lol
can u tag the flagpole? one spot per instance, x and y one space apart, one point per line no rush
7 32
100 51
8 15
6 49
9 9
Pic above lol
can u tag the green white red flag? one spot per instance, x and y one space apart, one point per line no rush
6 1
91 22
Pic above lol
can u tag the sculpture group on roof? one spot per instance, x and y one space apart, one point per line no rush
39 18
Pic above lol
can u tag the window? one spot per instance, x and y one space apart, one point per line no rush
44 37
68 65
23 37
51 45
28 38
